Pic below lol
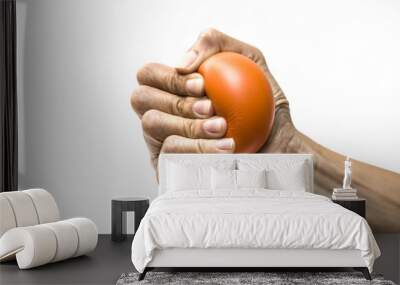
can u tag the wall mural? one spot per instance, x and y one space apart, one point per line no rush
178 117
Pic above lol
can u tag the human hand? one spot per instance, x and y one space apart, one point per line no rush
166 94
176 117
283 137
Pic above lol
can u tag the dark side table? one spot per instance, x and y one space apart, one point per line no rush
119 207
356 206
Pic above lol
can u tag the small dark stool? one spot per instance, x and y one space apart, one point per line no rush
357 206
119 207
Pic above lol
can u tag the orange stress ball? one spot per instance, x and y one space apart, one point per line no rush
240 92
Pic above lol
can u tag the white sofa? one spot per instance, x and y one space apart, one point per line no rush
32 233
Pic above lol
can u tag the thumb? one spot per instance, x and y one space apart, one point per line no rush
211 42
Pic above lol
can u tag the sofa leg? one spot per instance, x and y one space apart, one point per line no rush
142 275
364 271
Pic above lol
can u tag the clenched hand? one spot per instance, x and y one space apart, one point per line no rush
176 115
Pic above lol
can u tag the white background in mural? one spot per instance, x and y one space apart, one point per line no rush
337 61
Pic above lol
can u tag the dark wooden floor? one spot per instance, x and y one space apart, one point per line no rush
106 264
102 266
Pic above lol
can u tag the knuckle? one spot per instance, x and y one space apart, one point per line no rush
172 81
144 72
209 33
209 37
257 52
138 98
135 101
169 144
150 120
256 55
190 128
199 146
179 106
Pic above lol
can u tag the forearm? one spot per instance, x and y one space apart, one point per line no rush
380 187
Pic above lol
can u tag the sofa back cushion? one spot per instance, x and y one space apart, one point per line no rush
27 208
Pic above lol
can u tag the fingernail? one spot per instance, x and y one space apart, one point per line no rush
203 108
188 59
214 125
225 144
195 86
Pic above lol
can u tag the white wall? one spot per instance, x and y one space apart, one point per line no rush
337 61
78 136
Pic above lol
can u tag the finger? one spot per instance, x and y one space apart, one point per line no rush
160 125
211 42
177 144
168 79
154 148
145 98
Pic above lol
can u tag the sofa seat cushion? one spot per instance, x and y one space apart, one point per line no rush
40 244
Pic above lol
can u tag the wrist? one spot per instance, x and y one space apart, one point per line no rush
296 143
282 135
303 144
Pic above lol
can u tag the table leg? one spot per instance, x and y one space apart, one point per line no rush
118 222
140 211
